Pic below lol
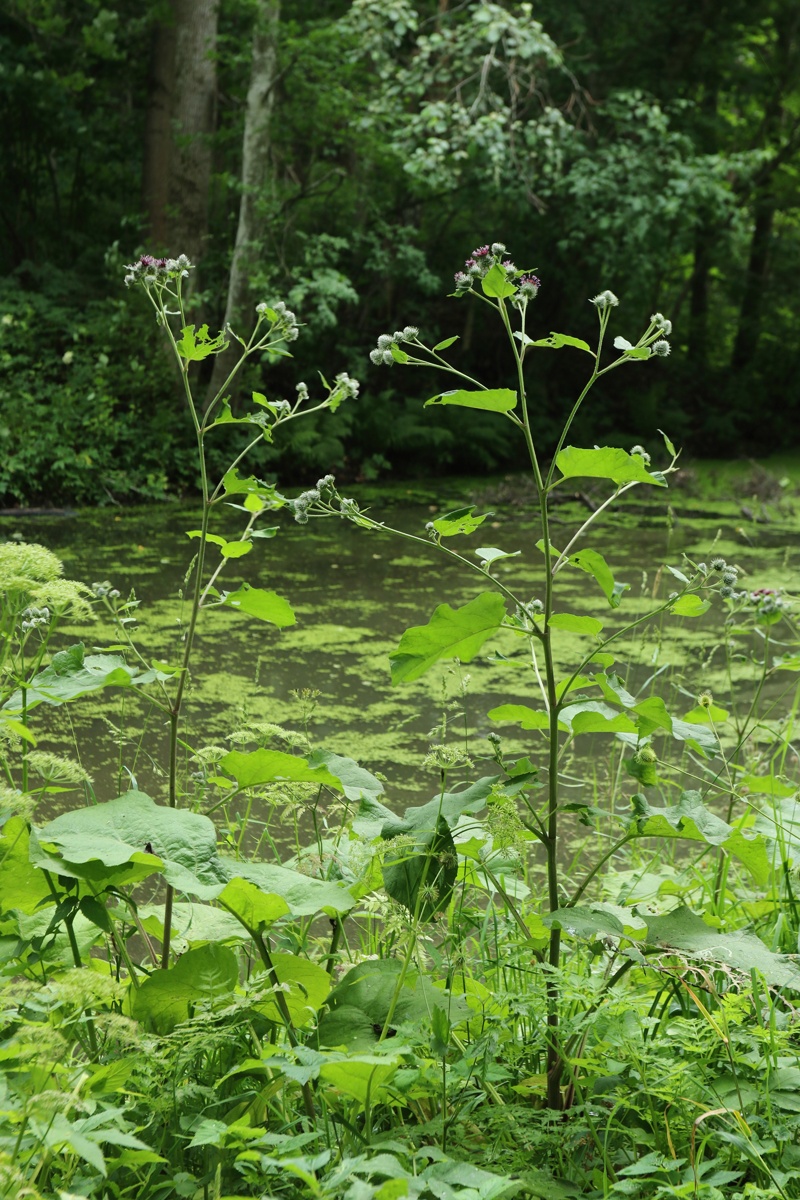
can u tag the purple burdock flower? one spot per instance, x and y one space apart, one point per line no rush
481 252
529 286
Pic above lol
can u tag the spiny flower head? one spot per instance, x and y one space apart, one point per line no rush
149 270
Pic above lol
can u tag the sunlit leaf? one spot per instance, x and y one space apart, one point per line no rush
450 633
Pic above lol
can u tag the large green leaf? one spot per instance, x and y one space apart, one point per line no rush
607 462
194 923
450 633
256 602
22 886
421 874
571 623
358 1007
74 673
690 819
279 888
305 989
322 767
489 400
687 931
681 930
133 829
166 998
521 714
595 716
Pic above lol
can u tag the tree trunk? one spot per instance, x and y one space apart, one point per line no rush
158 134
193 112
749 328
256 144
698 302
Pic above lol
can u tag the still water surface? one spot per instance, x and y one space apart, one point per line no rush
355 593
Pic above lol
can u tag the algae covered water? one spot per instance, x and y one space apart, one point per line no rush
354 594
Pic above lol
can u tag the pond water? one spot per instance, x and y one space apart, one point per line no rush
355 593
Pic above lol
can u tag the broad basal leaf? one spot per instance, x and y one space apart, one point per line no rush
166 998
133 829
450 633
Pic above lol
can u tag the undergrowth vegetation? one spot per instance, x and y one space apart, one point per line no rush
268 983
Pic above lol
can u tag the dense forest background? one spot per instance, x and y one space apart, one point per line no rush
346 156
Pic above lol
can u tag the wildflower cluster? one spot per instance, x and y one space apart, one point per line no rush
480 263
345 387
148 270
33 617
282 318
323 500
105 591
729 576
604 300
387 341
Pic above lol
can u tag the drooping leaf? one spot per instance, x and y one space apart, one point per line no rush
444 345
685 930
462 520
302 894
166 998
521 714
491 554
257 910
422 873
194 923
595 716
74 673
594 564
256 602
690 819
450 633
133 830
557 340
488 400
608 462
321 767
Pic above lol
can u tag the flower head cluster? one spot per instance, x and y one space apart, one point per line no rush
324 490
604 300
32 617
382 354
104 591
662 324
148 270
729 576
769 604
345 388
481 262
283 319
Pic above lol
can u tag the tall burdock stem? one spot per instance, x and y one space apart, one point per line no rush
490 277
162 281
